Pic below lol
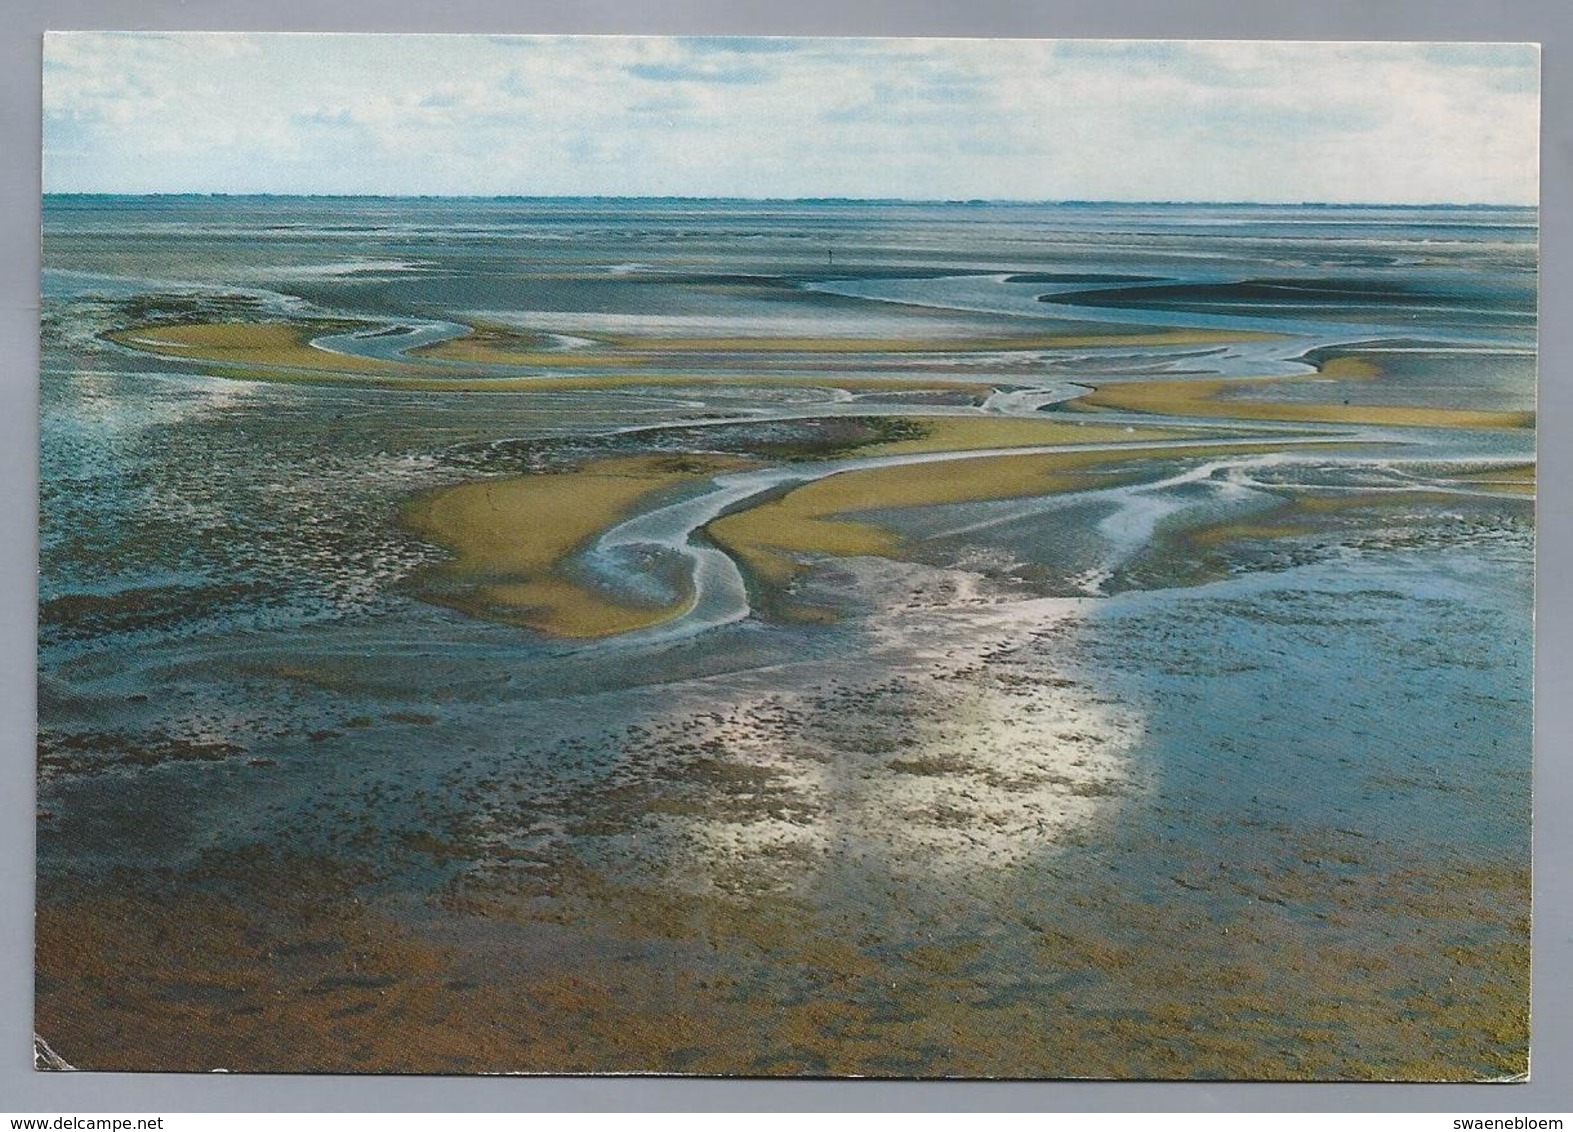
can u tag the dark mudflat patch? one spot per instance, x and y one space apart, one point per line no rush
820 438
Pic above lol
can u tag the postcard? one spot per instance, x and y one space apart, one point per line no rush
786 557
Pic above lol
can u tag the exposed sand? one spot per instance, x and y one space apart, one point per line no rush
1521 473
1339 957
1350 366
510 537
1307 513
1200 398
305 977
496 345
1519 480
246 343
768 537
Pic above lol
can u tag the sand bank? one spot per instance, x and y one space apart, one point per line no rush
1202 398
810 519
248 343
510 538
496 345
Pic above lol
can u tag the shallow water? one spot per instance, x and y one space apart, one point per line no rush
1190 693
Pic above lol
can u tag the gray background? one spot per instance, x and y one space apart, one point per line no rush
1549 22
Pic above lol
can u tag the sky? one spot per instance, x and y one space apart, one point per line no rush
764 117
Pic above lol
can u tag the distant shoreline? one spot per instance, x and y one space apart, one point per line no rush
899 201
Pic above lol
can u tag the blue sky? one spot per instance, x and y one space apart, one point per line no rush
920 119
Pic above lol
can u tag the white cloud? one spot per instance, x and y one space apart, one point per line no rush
775 117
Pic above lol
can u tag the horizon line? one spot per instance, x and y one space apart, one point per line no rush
951 201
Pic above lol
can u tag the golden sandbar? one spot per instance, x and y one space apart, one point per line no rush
245 343
1201 398
510 538
808 520
494 345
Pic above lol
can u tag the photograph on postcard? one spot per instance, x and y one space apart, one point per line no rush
786 557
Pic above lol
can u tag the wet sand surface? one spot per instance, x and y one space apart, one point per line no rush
1021 707
975 866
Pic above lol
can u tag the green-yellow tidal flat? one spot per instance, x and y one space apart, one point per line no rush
1200 398
811 520
509 538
